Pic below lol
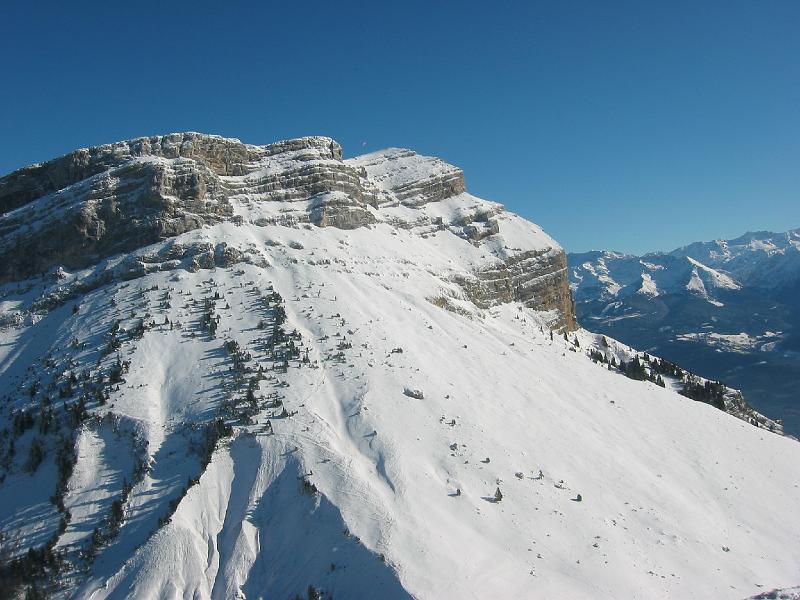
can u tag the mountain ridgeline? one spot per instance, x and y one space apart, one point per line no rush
76 210
239 371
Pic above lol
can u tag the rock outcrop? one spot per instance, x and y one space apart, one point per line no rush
535 278
337 209
222 156
406 177
91 204
124 208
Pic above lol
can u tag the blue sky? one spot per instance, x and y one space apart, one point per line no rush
628 125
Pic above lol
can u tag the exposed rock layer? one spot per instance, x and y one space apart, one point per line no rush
537 279
94 203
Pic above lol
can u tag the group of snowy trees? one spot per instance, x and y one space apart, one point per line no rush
651 369
633 369
62 400
710 392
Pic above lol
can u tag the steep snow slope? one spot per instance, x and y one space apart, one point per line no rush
403 386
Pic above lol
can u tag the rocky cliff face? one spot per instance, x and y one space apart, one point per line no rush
75 211
222 156
534 278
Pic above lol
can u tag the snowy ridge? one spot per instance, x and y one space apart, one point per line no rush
762 259
649 287
754 260
718 279
265 405
610 275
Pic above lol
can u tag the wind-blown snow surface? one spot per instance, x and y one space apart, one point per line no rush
364 490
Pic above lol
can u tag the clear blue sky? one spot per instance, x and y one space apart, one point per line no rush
626 125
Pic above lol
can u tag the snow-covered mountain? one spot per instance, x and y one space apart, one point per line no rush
727 309
236 371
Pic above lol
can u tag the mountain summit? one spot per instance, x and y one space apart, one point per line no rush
236 371
76 210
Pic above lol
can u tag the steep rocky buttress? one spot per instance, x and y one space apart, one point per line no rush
76 210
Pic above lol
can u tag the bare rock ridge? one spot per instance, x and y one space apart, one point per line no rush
221 155
77 210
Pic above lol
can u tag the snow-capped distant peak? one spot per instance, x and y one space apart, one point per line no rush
601 273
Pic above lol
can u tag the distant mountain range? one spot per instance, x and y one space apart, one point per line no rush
727 309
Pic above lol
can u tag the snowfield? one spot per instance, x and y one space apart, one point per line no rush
611 488
737 342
